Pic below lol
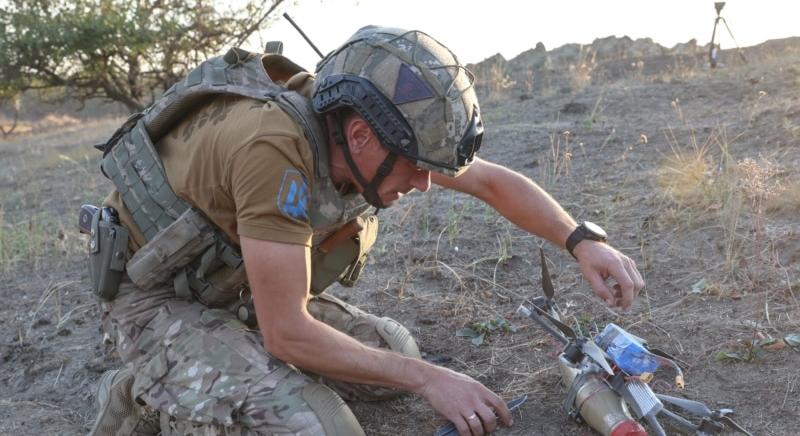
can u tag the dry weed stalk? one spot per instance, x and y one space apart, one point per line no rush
757 181
498 82
580 73
557 160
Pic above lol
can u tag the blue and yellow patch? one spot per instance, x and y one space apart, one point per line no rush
294 196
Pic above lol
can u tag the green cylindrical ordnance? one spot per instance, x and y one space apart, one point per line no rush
601 407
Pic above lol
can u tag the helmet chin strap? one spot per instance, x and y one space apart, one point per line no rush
370 188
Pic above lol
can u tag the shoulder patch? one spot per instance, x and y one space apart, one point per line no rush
293 197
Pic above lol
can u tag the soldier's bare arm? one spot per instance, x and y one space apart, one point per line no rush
525 204
279 277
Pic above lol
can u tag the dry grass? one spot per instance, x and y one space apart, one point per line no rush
788 200
556 160
447 261
581 72
31 187
27 127
710 188
32 242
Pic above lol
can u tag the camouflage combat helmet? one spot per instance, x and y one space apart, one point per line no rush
411 89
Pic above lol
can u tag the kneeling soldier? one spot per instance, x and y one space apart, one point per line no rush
249 188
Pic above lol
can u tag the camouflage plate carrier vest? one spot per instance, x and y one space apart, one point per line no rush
183 245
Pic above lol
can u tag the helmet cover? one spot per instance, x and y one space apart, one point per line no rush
411 89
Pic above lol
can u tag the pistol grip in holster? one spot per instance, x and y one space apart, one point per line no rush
108 245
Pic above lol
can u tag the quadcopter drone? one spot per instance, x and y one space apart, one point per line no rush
607 378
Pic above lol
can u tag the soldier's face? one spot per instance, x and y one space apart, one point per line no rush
404 178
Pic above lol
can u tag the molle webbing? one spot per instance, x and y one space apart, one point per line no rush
135 168
132 162
216 271
238 72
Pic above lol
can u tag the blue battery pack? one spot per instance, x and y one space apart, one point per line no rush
626 350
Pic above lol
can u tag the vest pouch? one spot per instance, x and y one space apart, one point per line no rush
171 249
108 246
346 259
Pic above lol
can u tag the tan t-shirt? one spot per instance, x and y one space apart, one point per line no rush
245 164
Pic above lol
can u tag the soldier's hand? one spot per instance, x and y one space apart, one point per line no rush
599 261
469 405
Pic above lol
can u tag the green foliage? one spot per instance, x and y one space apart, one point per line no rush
753 349
478 331
127 51
454 218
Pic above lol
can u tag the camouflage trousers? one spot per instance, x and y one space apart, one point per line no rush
207 373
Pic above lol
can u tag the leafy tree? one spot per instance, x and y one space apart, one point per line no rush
127 51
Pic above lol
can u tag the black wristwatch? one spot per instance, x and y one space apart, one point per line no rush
586 230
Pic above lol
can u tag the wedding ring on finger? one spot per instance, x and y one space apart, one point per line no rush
471 417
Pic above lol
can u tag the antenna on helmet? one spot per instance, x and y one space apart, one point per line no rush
303 34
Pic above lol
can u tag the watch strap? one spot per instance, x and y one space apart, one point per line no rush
577 235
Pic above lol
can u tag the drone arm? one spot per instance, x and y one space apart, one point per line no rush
550 329
694 407
678 420
654 425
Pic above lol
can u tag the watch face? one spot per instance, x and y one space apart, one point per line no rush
594 228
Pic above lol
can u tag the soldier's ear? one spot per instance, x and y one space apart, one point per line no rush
359 135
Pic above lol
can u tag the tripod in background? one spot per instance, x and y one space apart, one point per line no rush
713 52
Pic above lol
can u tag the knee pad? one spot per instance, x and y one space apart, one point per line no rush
335 416
119 413
397 337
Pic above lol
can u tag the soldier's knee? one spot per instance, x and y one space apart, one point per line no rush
397 337
335 416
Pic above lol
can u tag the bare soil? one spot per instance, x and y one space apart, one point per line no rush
445 261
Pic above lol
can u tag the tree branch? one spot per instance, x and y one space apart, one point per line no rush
253 27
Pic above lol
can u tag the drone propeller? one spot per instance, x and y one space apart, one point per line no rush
596 353
547 284
584 345
548 310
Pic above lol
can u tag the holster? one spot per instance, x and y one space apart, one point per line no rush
343 254
108 245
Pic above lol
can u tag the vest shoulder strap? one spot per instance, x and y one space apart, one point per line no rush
238 72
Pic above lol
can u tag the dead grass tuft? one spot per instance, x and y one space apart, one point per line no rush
713 190
557 160
685 175
581 72
788 200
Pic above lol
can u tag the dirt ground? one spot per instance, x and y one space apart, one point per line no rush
658 159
